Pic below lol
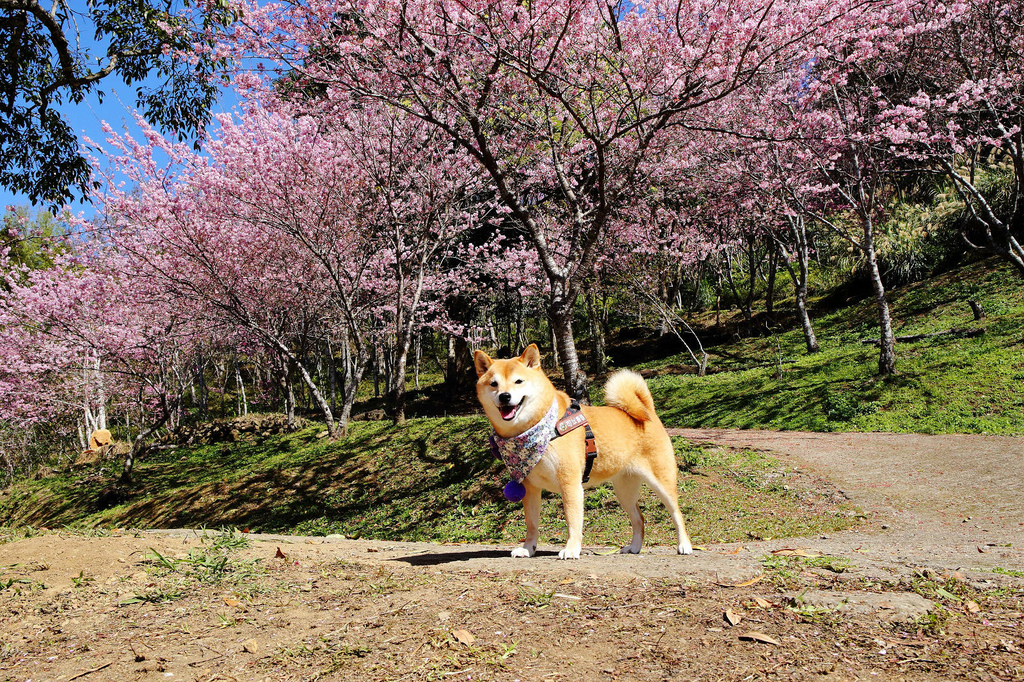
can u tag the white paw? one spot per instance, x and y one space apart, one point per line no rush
685 548
629 549
522 552
569 553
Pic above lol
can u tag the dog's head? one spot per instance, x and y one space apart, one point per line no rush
515 393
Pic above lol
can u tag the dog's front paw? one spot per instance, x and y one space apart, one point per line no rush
629 549
522 552
685 548
568 553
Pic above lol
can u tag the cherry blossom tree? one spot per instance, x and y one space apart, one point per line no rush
951 101
558 102
82 331
194 226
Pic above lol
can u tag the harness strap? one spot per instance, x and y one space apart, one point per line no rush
573 419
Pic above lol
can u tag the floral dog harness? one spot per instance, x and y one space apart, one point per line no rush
521 453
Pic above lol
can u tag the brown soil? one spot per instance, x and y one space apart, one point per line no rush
928 588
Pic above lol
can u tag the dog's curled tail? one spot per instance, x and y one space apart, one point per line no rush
628 391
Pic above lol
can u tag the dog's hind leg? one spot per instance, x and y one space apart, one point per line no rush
627 492
531 510
668 493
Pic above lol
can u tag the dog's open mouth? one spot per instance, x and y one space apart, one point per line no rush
508 412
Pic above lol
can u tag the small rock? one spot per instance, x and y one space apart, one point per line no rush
250 646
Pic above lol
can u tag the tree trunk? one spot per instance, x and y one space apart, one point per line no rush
598 361
417 358
287 394
979 312
798 231
887 341
805 319
136 448
241 388
376 372
769 297
560 316
459 376
398 392
204 391
358 365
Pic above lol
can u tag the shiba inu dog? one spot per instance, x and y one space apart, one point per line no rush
523 406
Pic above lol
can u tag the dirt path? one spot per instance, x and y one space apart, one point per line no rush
947 501
915 593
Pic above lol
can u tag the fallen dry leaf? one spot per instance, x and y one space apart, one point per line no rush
280 555
972 607
443 616
759 637
250 646
463 637
732 618
789 551
228 601
763 603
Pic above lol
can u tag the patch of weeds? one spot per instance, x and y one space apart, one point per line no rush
780 569
226 539
843 405
81 580
1008 571
161 561
690 455
829 563
8 584
948 591
86 532
341 653
535 598
933 622
207 567
809 613
153 596
226 621
599 497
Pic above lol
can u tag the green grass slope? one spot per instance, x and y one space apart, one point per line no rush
427 479
945 384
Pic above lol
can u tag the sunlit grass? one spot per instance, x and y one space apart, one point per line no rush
943 385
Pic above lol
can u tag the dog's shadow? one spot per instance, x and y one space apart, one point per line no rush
442 558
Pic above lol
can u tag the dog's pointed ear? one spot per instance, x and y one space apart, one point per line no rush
531 356
482 361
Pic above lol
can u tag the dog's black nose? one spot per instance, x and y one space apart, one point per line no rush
504 398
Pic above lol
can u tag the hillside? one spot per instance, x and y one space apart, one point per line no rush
945 384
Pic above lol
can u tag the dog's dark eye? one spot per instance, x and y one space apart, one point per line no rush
494 384
519 381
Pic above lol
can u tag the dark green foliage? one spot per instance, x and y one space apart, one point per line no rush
44 68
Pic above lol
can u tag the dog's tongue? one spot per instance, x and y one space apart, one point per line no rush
507 411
